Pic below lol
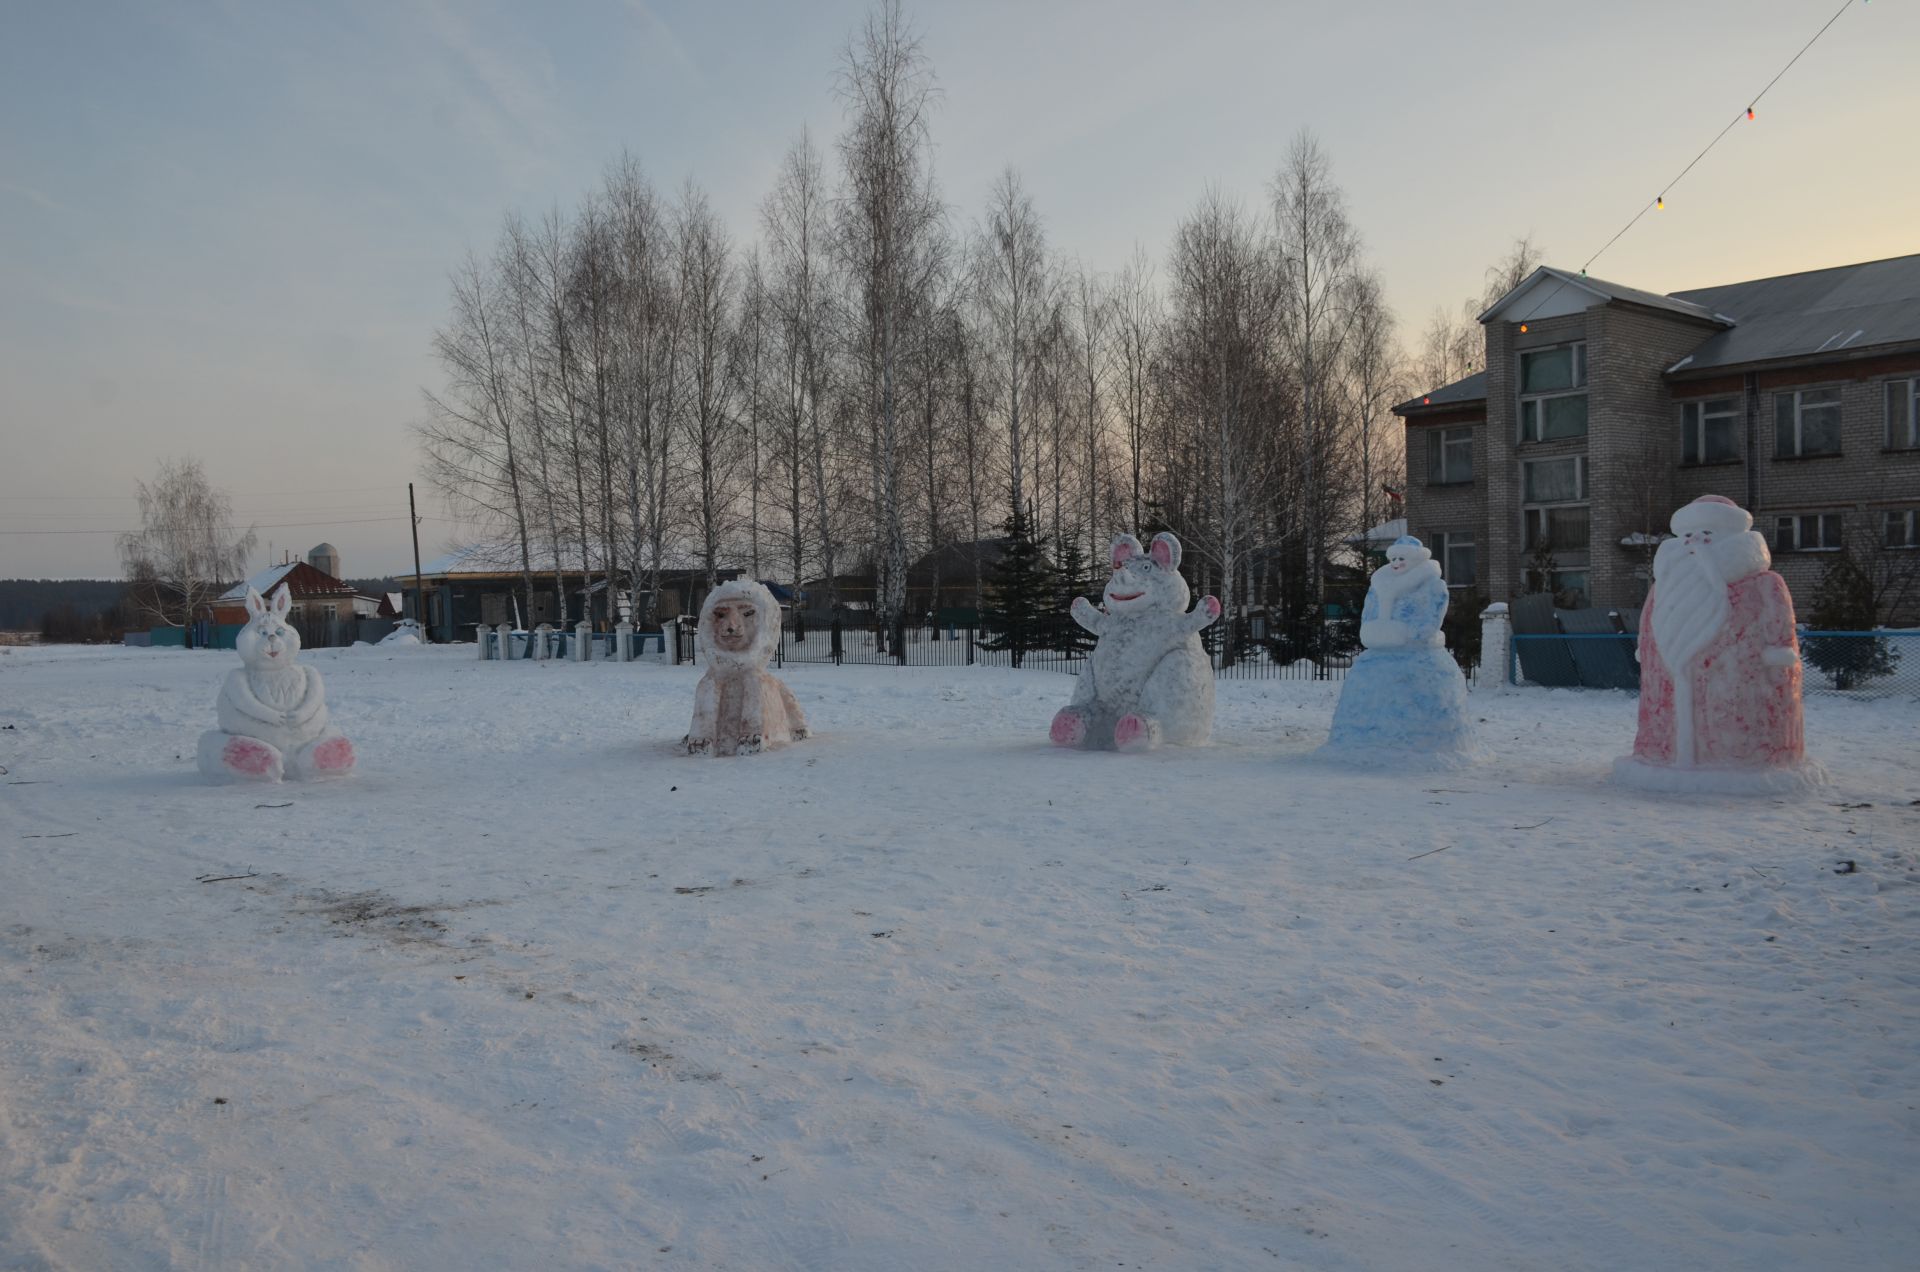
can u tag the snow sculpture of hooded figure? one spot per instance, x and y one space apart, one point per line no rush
272 712
739 707
1719 663
1148 680
1404 698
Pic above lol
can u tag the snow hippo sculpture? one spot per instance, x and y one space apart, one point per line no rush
739 707
1148 680
272 712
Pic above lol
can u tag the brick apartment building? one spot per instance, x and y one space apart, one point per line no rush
1603 408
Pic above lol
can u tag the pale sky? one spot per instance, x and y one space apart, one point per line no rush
225 228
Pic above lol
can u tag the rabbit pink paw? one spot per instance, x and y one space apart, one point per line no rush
335 755
1134 733
1069 728
1212 605
250 757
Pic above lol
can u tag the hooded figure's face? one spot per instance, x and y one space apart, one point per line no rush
736 625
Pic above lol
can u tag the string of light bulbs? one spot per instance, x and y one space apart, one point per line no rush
1748 115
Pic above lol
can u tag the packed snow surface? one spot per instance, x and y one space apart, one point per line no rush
532 990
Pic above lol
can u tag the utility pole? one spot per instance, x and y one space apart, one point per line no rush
419 587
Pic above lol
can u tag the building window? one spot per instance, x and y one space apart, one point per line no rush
1707 431
1806 422
1554 492
1553 393
1903 529
1454 550
1808 532
1449 456
1903 414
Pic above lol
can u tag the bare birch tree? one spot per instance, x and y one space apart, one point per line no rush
187 550
891 216
708 288
1319 254
648 334
473 439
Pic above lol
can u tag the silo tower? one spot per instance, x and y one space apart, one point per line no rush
326 559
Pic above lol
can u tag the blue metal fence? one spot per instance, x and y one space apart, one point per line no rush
1855 664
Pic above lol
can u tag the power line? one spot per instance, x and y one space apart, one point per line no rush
1746 112
282 525
248 494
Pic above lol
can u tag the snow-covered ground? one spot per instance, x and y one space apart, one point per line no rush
533 991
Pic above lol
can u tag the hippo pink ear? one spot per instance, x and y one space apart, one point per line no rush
1165 551
1125 548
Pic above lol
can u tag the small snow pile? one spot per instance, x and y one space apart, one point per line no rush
405 635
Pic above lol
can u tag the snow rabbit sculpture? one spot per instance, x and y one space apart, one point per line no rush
273 713
739 707
1148 680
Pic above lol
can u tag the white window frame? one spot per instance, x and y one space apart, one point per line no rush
1790 532
1447 542
1908 535
1903 434
1800 408
1694 417
1440 441
1538 400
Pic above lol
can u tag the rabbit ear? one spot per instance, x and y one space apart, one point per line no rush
1125 548
255 605
1165 551
282 602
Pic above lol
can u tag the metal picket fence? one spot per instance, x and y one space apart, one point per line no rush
1878 664
1057 645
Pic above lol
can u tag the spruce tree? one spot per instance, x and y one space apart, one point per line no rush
1843 601
1075 581
1021 594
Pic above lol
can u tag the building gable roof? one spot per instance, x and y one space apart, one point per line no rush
1548 292
299 577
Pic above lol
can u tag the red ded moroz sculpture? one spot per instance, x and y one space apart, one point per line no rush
1719 663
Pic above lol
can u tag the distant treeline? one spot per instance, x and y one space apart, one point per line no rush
25 603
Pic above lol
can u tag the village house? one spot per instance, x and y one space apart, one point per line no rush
321 604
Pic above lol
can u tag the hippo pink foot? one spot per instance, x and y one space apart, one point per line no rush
1135 733
1069 728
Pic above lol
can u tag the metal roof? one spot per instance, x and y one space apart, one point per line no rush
1472 388
1824 311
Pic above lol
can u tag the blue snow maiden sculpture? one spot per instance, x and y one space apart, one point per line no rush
1404 698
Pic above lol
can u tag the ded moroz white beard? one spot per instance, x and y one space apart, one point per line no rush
1690 603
